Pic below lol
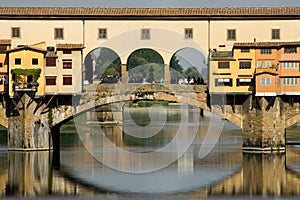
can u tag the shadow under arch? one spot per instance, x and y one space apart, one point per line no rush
145 65
102 65
188 63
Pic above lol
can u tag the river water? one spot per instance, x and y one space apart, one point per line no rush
157 153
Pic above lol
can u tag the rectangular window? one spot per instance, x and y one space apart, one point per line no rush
18 61
67 64
223 65
265 51
58 33
265 81
1 64
245 65
35 61
290 81
51 80
50 61
260 64
145 34
67 80
290 50
290 65
278 81
245 50
275 34
188 33
67 51
223 82
102 33
15 32
268 64
244 82
2 49
231 34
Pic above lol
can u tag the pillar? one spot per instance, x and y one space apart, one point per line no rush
124 74
263 124
167 76
28 128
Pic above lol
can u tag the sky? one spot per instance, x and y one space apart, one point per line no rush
150 3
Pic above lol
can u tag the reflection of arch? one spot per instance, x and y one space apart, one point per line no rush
145 65
101 62
188 62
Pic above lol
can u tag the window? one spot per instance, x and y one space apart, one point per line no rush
268 64
278 81
17 61
245 65
290 65
260 64
67 64
67 51
2 49
265 81
223 82
1 64
102 33
231 34
265 51
15 32
67 80
188 33
244 82
290 81
245 50
51 80
145 34
275 34
290 50
58 33
35 61
50 61
223 65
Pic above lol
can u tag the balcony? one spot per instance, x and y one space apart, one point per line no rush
25 86
221 55
289 57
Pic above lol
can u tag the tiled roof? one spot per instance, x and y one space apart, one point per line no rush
5 41
69 46
26 47
115 12
266 44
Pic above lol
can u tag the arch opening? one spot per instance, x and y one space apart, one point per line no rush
145 66
188 66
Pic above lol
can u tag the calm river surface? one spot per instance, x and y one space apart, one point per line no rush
158 153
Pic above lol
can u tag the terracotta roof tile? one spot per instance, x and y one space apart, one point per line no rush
25 47
266 44
69 46
85 12
5 41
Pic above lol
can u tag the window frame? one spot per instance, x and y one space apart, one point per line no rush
243 63
18 63
67 77
290 50
15 32
102 33
231 34
33 61
145 34
47 78
225 63
67 64
265 81
245 50
188 33
275 34
52 63
265 51
58 33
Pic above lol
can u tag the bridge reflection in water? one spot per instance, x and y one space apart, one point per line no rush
225 171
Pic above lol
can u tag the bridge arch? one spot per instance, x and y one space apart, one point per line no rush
102 64
145 65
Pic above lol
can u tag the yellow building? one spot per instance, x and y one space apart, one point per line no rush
231 72
26 69
5 45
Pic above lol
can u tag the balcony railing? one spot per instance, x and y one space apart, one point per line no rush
25 86
289 57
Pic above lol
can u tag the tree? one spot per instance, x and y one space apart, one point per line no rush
174 64
107 63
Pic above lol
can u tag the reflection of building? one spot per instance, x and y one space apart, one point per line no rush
4 46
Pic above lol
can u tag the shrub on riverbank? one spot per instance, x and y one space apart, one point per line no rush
145 104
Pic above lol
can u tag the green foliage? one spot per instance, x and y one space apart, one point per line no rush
144 104
26 72
174 64
191 72
108 63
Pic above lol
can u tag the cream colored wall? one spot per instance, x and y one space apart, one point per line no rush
34 31
26 63
247 30
166 37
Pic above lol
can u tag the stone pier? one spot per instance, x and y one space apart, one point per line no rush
28 128
263 124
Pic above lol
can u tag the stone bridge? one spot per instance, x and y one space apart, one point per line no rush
262 119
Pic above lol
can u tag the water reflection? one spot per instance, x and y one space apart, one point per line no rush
224 172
